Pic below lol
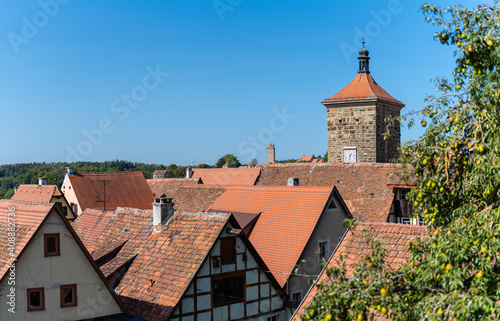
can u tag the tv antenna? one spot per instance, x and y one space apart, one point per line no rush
104 201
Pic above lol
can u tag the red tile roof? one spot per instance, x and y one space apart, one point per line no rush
306 159
196 198
365 188
394 237
169 186
288 217
28 217
227 176
36 193
169 259
362 88
125 189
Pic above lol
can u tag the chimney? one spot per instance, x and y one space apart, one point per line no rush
69 171
15 189
293 181
189 172
163 210
42 181
271 154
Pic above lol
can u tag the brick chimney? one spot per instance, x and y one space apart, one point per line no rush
163 210
42 181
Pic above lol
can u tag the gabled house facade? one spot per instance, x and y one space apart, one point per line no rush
297 228
181 266
45 271
43 193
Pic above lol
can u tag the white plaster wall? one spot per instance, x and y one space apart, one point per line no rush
33 270
70 195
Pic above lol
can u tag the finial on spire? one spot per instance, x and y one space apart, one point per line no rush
364 60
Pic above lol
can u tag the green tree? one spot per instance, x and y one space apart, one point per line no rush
454 274
230 159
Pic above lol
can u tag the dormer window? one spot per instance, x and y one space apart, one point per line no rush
51 244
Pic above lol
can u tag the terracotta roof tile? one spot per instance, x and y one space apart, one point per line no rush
169 186
306 159
362 88
125 189
394 237
288 217
195 198
36 193
365 188
27 219
168 259
227 176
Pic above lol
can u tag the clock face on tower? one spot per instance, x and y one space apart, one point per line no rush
350 155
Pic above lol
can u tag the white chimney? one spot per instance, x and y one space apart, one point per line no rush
293 181
42 181
69 171
189 172
15 189
163 210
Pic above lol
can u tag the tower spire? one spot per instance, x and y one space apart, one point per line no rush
364 60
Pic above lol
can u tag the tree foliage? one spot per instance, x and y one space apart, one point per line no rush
230 159
454 274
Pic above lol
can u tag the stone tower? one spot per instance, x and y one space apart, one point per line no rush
355 117
271 156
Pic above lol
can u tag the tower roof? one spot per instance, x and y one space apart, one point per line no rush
362 88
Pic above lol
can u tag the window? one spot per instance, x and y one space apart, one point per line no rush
297 297
228 250
36 299
274 318
68 295
403 192
332 205
74 207
228 290
51 244
323 248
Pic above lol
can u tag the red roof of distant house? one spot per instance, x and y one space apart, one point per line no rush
196 198
288 217
169 186
227 176
123 189
306 159
362 88
366 188
395 239
36 193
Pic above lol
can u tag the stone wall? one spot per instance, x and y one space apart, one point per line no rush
361 125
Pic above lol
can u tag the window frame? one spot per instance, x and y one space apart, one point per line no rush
327 250
231 259
294 293
227 277
75 296
42 299
275 317
58 244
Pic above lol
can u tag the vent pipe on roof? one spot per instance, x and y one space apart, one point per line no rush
163 210
42 181
69 171
189 172
293 181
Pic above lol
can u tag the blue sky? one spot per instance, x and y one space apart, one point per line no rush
188 81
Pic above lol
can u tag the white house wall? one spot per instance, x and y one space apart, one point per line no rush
261 299
33 270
